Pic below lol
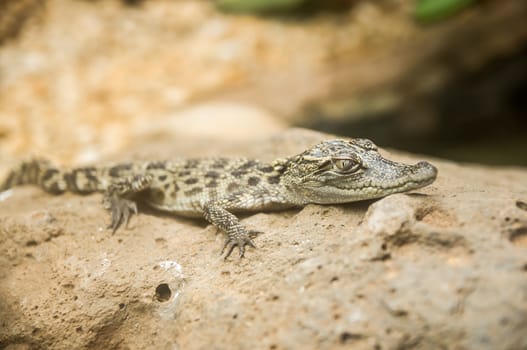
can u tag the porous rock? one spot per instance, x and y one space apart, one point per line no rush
441 267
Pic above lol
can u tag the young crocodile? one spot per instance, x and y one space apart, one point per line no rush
336 171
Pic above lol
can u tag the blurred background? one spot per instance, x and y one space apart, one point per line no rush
81 80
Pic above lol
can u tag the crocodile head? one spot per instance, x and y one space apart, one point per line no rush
340 171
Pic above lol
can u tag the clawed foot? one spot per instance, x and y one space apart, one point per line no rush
121 210
239 241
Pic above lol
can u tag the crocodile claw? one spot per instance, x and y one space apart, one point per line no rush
121 209
240 242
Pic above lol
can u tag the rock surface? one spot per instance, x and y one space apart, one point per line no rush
444 267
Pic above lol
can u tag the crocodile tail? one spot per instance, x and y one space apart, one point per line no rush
45 175
36 172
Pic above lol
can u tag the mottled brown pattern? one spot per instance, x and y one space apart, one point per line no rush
219 164
212 184
194 191
239 173
266 169
247 165
212 174
118 169
49 173
191 164
155 165
253 181
273 180
191 181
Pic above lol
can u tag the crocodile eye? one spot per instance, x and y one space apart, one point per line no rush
346 165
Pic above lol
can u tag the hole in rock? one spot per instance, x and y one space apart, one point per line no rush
521 205
163 292
347 336
31 243
518 236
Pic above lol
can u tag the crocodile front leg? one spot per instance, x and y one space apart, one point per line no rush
117 198
237 234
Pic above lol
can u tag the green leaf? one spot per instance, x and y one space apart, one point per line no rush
434 10
259 5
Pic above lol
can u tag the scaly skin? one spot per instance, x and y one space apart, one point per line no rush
336 171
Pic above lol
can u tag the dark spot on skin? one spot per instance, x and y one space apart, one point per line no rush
89 172
212 174
53 185
115 171
174 191
273 179
166 186
183 173
212 184
49 174
70 180
162 177
238 173
91 169
219 164
191 181
266 169
249 164
155 165
253 181
233 186
53 188
192 163
193 191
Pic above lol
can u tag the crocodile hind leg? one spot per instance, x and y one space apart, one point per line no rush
118 198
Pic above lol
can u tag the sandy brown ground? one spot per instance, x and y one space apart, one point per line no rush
444 267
